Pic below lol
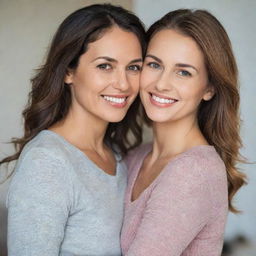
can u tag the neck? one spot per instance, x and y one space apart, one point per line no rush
175 137
82 129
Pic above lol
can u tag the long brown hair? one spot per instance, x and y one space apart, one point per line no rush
49 99
218 118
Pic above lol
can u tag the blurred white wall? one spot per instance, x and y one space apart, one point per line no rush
238 17
26 28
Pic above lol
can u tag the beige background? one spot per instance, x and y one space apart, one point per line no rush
26 28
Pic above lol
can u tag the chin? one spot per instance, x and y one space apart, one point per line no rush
157 117
114 118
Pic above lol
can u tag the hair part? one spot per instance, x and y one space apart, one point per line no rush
218 118
50 98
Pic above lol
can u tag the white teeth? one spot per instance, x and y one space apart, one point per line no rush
114 99
161 100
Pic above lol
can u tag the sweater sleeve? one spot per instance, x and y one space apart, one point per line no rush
178 208
38 205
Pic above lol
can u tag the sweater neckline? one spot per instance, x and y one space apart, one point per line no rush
140 161
82 155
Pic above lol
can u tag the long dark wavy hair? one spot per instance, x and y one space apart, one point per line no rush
50 100
218 118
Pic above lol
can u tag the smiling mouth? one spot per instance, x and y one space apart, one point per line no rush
117 101
161 101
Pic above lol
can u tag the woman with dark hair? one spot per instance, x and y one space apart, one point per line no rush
66 196
181 186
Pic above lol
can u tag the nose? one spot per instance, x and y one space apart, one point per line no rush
164 82
121 81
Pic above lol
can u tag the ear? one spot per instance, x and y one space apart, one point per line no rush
68 77
209 93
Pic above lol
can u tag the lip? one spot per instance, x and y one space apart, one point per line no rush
159 104
116 104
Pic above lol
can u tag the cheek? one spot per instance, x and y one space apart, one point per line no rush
80 80
87 87
192 90
96 82
192 96
146 78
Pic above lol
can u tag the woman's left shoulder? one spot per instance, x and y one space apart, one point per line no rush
203 161
199 170
206 153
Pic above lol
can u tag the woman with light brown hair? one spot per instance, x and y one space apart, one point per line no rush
181 187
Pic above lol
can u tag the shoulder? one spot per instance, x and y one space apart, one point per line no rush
49 146
42 172
199 169
44 153
200 160
42 166
48 143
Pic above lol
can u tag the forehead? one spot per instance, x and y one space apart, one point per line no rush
170 45
116 42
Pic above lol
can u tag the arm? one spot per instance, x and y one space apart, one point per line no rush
178 208
37 205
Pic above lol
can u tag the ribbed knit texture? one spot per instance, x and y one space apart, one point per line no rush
61 203
183 212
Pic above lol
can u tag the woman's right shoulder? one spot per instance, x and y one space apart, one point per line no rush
44 148
41 167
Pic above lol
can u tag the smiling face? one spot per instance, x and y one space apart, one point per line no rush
174 78
106 81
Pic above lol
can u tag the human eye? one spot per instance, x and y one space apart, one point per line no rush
104 66
153 65
136 68
184 73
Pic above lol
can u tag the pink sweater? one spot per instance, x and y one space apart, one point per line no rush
183 212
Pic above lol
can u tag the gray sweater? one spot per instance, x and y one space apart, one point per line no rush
61 203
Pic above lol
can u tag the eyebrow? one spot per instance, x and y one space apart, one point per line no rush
114 60
184 65
154 57
105 58
180 65
136 60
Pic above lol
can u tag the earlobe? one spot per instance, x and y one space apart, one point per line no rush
209 93
68 77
